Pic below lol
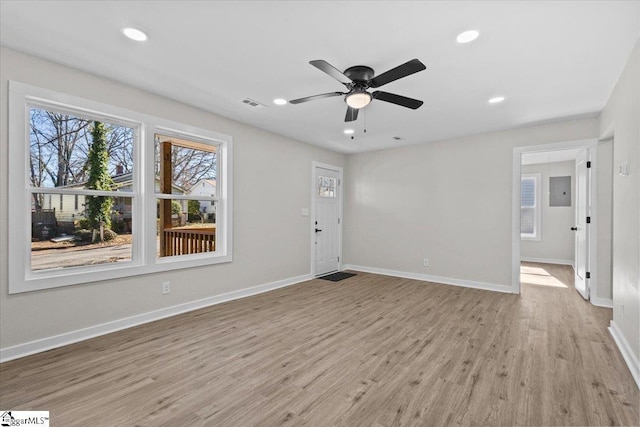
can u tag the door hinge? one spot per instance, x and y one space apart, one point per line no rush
588 220
338 220
588 275
588 164
338 181
338 259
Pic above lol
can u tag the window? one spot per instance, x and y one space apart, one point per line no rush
530 207
185 167
327 186
132 194
74 156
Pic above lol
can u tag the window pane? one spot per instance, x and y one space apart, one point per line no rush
327 186
185 227
527 220
527 192
67 237
60 146
189 166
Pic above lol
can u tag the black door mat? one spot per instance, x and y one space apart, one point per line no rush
336 277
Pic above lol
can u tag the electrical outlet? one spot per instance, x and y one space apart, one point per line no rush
425 263
166 288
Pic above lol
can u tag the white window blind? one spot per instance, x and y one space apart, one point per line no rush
530 206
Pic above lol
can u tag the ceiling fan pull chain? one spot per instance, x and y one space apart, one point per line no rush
365 121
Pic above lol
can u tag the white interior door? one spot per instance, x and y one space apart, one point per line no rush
327 220
581 228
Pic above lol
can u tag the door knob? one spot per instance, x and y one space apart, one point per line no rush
574 228
318 230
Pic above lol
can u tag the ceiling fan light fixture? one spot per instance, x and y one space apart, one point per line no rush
358 99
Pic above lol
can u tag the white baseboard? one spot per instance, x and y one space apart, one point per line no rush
548 260
56 341
434 279
602 302
627 353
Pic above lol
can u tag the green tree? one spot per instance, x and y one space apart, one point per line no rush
99 207
176 207
194 207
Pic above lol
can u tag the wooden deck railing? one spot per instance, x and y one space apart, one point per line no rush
183 241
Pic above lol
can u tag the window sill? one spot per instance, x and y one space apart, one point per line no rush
79 275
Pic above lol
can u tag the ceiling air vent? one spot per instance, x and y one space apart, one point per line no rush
253 103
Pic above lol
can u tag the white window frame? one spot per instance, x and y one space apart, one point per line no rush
537 223
144 260
198 137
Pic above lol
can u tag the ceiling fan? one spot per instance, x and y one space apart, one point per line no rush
358 79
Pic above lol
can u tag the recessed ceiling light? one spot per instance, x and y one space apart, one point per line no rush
279 101
467 36
135 34
348 131
496 100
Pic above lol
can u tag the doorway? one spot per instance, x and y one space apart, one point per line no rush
583 235
326 219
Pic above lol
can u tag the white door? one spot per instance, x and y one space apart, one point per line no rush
581 228
327 220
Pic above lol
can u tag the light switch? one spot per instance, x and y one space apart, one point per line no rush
305 212
623 169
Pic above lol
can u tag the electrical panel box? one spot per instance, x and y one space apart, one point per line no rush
560 191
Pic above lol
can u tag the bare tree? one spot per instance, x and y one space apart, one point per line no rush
60 145
190 166
120 148
56 141
60 148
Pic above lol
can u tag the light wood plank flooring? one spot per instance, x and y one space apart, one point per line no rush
367 351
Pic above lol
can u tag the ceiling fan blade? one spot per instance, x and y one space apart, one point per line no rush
314 97
399 72
323 65
352 114
397 99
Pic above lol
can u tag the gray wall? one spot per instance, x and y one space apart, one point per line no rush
449 201
622 116
271 238
557 241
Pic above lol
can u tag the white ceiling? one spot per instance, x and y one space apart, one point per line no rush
550 59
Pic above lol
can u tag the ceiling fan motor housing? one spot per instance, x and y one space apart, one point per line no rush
360 74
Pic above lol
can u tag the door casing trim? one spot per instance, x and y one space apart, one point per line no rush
515 206
312 252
